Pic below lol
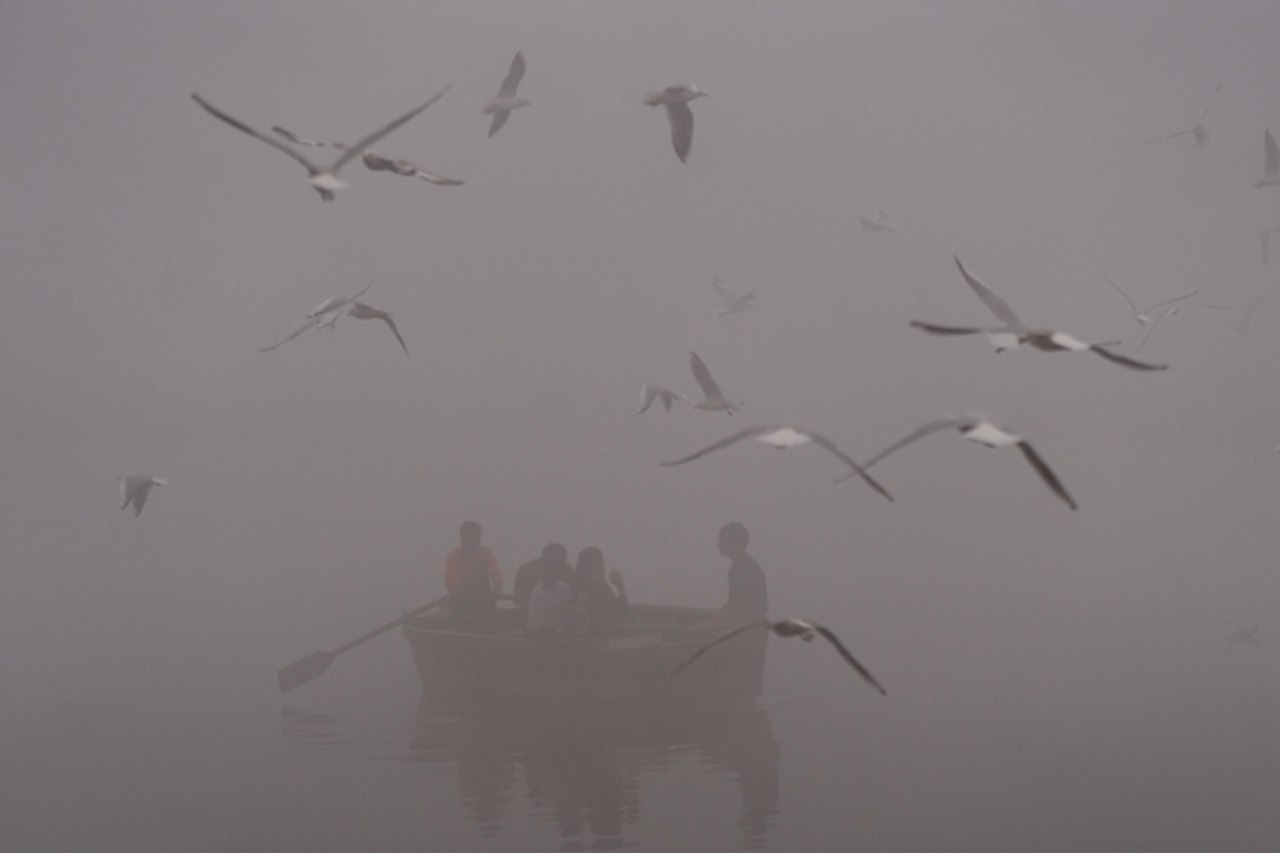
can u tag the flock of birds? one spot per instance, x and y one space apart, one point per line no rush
1007 333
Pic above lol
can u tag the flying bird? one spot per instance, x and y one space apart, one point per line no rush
1148 317
730 302
1265 236
1245 636
505 101
981 431
714 399
783 436
1200 132
880 223
134 489
1175 310
1270 162
364 311
1015 333
792 628
650 392
373 161
334 304
323 179
676 99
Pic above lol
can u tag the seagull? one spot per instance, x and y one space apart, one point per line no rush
364 311
792 628
324 314
783 436
335 304
323 180
1270 162
730 302
1245 636
1148 317
715 401
676 99
881 223
1015 333
1177 309
982 431
649 393
373 161
506 101
134 489
1200 132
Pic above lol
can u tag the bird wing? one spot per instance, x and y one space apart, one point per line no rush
681 118
729 635
499 119
310 323
648 394
299 140
936 329
1117 289
1204 115
430 177
727 296
989 298
244 128
700 372
514 75
748 432
854 468
1271 164
829 635
1124 360
916 435
1046 473
368 141
1170 136
1173 300
385 317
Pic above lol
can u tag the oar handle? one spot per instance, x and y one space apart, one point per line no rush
364 638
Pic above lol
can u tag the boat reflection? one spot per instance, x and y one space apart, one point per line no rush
582 768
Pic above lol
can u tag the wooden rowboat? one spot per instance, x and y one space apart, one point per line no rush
494 656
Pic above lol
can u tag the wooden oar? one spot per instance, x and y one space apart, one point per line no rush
314 665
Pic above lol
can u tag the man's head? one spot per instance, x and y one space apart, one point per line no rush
555 553
469 533
733 539
590 563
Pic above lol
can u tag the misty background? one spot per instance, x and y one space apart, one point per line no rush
1056 680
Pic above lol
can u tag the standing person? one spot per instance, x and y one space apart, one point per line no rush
598 607
748 594
554 561
471 574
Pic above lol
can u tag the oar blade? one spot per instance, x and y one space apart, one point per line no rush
300 672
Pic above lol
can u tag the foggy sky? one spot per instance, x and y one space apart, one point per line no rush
150 250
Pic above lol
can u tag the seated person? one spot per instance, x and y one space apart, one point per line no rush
471 575
554 562
598 608
549 607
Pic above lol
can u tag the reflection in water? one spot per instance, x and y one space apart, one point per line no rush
580 768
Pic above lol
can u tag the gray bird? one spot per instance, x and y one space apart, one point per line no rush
1199 133
981 431
792 628
323 179
880 223
364 311
1270 162
650 392
1013 333
783 436
500 106
732 303
134 489
676 99
373 161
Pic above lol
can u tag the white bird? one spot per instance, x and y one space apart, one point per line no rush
500 107
323 179
1200 132
324 314
650 392
730 302
134 489
783 436
1148 317
1270 162
1015 333
364 311
676 99
714 399
373 161
792 628
881 223
981 431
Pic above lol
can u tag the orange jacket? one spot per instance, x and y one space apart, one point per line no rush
453 568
